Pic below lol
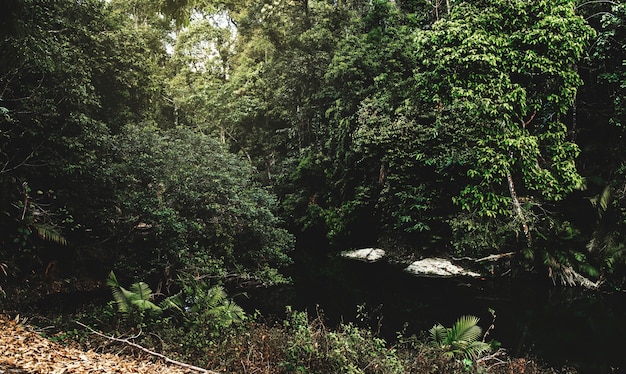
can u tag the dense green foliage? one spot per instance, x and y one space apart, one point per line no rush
97 175
466 128
166 138
459 134
181 141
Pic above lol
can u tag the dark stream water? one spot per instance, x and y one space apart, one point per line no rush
581 329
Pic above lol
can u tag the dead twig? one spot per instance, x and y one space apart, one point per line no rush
494 257
494 357
135 345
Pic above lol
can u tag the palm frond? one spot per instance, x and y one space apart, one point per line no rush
140 296
601 201
173 302
3 268
226 314
466 329
147 305
475 349
605 198
215 296
460 339
233 313
112 280
438 335
120 295
141 290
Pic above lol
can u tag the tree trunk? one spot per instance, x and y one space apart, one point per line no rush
517 207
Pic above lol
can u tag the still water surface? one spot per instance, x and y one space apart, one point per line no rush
558 326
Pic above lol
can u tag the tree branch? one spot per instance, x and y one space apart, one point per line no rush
596 1
494 257
167 359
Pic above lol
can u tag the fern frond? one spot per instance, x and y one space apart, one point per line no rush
49 233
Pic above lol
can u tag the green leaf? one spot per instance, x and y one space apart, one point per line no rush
50 233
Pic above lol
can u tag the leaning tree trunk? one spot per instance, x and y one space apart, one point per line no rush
517 207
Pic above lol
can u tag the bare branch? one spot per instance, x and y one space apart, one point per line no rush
532 117
25 162
598 14
494 257
595 2
153 353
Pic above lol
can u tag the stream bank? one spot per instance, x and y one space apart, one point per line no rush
560 326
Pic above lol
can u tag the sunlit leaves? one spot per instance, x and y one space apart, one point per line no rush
509 78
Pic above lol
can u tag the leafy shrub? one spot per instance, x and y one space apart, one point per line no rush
205 306
182 201
199 304
313 348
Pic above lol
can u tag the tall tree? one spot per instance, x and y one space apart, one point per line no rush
480 119
507 72
51 128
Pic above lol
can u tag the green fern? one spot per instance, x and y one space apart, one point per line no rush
49 233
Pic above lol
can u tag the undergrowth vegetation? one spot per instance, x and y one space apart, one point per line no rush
188 144
296 342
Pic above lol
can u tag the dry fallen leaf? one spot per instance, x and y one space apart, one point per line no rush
23 351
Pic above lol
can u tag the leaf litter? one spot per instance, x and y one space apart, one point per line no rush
24 351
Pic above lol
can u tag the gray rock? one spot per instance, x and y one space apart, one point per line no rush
365 254
438 267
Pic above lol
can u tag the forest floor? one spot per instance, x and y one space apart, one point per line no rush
25 351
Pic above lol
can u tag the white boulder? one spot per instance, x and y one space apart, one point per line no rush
365 254
438 267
